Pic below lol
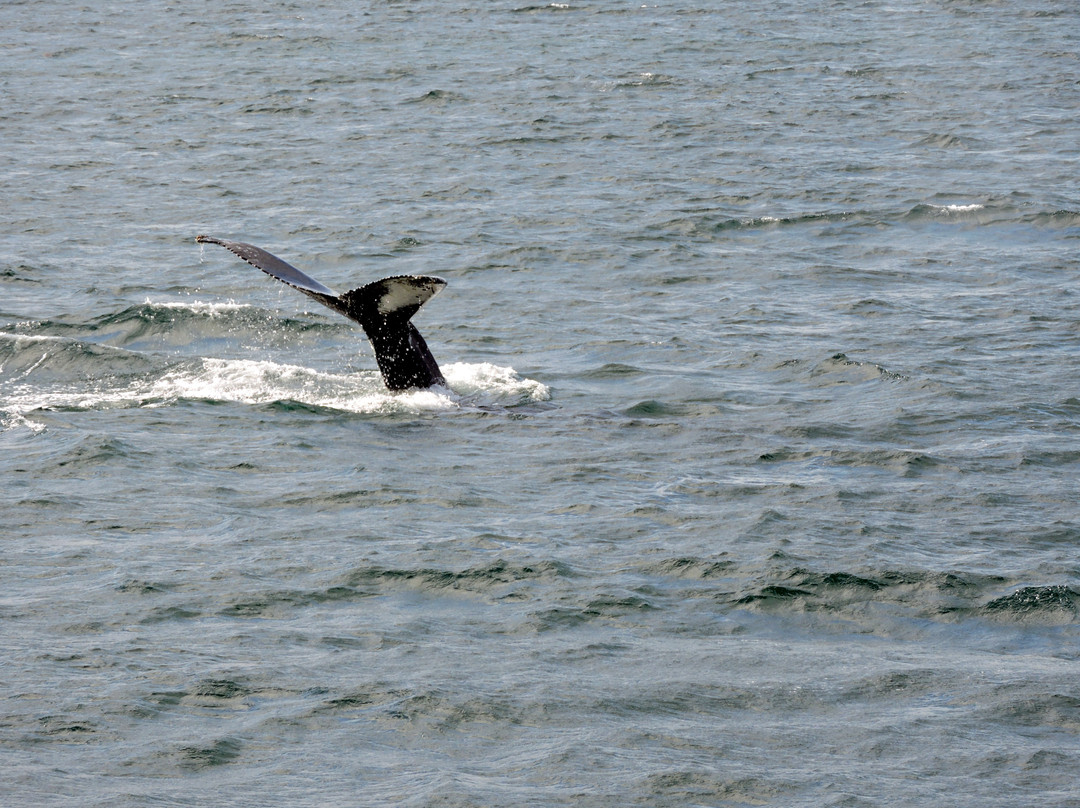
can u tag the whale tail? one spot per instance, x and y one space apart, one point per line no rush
382 308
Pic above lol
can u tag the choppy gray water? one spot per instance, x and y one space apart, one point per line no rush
757 478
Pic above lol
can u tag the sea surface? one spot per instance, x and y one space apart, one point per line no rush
755 481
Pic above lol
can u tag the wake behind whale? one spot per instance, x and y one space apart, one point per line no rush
383 308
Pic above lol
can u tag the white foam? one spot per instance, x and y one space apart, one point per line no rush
198 306
262 382
26 398
21 340
15 420
248 381
957 208
500 382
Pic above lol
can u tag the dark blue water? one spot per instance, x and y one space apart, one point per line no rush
755 479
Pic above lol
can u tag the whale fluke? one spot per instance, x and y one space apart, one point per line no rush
383 309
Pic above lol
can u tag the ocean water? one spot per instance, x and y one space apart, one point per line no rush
755 481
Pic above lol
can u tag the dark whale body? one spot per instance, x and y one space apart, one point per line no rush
382 308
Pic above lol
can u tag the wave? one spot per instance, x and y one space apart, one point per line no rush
48 373
759 222
45 357
178 325
880 600
866 597
993 212
538 8
982 213
470 387
839 369
114 361
499 580
265 382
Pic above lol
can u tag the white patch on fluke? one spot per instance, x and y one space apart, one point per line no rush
407 291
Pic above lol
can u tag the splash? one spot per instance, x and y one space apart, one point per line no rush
263 382
256 382
502 384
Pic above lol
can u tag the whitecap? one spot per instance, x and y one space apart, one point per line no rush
947 209
198 306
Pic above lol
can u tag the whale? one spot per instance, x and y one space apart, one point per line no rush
383 309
